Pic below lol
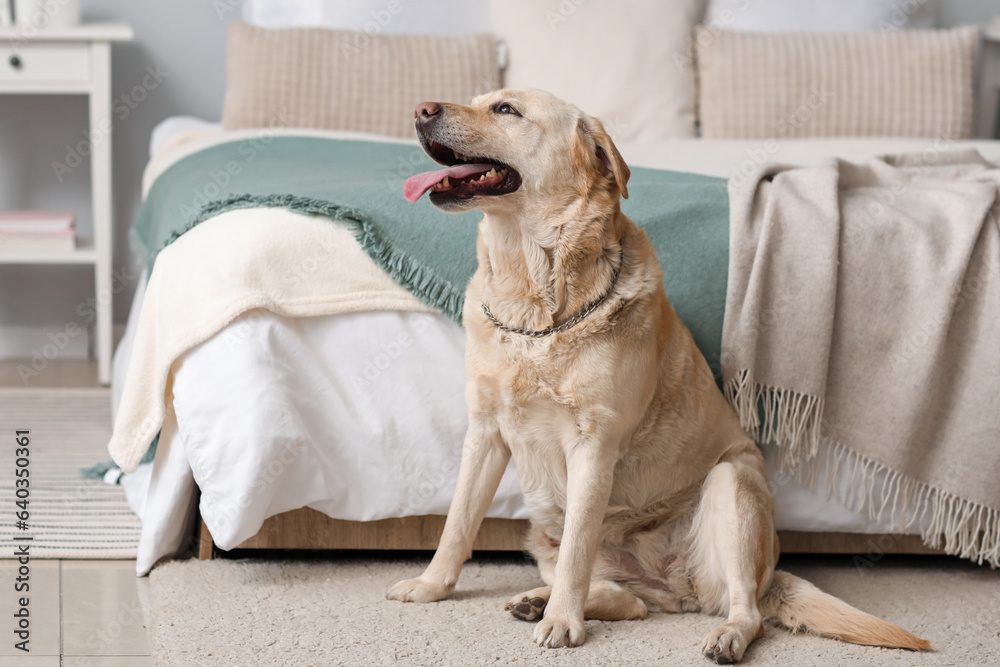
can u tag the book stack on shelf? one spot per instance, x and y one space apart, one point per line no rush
37 231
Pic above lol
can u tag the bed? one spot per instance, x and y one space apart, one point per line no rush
223 385
248 457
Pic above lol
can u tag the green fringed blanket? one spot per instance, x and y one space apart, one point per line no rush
429 252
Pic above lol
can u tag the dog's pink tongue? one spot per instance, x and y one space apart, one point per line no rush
416 186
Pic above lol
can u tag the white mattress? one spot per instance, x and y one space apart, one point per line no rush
362 416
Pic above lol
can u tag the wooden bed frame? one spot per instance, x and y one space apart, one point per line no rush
308 529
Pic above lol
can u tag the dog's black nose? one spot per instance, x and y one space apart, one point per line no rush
426 111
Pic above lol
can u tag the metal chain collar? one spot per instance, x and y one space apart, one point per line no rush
570 322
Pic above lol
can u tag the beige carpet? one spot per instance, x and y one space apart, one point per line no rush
69 516
333 612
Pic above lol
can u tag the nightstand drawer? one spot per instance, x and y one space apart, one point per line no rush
45 62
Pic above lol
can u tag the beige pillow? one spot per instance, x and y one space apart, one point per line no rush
345 80
628 63
892 84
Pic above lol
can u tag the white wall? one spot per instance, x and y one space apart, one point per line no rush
185 38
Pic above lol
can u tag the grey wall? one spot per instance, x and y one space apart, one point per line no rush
187 39
965 12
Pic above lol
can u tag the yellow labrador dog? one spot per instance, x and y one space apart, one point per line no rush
645 493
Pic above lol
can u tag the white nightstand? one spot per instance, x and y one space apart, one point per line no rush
75 61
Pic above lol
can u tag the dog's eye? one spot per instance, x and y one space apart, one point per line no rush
506 108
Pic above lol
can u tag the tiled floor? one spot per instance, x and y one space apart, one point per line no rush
82 613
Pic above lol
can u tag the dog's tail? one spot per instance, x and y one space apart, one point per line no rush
798 605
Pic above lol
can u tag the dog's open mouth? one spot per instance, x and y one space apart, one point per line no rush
465 177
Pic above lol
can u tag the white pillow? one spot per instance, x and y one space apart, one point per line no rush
821 15
423 17
625 62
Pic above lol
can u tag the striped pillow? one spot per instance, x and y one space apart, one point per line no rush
344 80
892 84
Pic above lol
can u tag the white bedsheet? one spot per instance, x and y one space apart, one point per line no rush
175 126
362 416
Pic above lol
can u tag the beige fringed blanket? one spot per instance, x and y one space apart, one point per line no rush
862 334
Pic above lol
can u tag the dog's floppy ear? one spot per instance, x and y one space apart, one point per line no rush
614 165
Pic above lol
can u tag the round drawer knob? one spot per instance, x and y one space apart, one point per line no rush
15 62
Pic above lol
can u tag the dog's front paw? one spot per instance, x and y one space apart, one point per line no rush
726 644
556 630
418 590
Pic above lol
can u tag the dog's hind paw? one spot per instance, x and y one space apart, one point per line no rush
529 606
525 608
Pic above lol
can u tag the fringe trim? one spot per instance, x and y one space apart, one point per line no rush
770 414
958 526
98 470
792 421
